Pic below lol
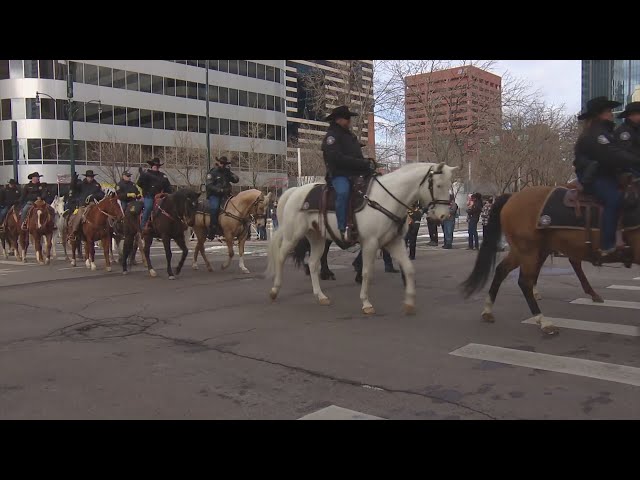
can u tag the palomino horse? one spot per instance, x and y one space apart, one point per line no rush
40 223
381 223
235 221
169 221
12 233
96 224
516 215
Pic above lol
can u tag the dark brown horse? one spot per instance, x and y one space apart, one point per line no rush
97 223
40 223
171 217
516 215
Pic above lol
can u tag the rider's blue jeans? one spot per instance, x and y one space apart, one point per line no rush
3 213
23 213
342 187
606 189
214 206
146 212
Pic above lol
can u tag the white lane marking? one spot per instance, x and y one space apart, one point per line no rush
607 303
636 278
552 363
615 328
334 412
624 287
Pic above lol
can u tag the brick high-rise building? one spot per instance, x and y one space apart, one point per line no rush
463 101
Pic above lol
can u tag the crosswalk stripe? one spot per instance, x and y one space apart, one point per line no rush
615 328
607 303
624 287
552 363
334 412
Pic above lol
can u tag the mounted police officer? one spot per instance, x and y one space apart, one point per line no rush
598 161
9 196
126 190
82 193
152 182
628 134
31 192
218 184
343 158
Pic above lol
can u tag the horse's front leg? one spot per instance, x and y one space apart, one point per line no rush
369 251
180 240
92 255
24 242
398 252
37 246
228 238
108 253
49 244
166 242
241 242
148 240
127 247
317 244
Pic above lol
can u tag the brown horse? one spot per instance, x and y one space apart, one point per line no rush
169 220
12 233
97 221
235 221
40 223
516 216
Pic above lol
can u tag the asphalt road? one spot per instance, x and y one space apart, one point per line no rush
76 344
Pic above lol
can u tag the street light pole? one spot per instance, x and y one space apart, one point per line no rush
72 151
208 120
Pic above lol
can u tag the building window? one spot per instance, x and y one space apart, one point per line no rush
6 109
214 126
233 66
192 123
234 129
61 70
106 117
132 81
63 149
223 95
253 100
120 116
156 85
145 83
147 152
49 149
271 102
262 101
202 91
213 93
170 87
242 98
277 79
30 69
79 111
182 122
133 117
192 90
233 96
271 132
202 124
158 120
242 67
271 74
46 68
90 74
262 71
4 70
145 118
158 151
16 69
32 109
252 69
47 109
8 152
169 121
181 88
213 64
224 126
119 79
106 77
77 71
223 65
34 148
244 129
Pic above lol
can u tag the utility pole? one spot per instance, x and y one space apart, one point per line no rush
72 150
208 120
15 149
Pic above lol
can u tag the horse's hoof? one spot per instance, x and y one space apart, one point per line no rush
210 269
368 310
488 317
597 298
537 296
409 309
125 273
108 269
47 261
73 263
195 266
324 301
171 277
245 270
550 330
153 273
224 267
93 267
273 294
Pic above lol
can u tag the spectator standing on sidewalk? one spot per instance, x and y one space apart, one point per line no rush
410 239
484 216
449 223
432 225
474 209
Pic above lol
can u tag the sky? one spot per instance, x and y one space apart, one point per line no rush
558 81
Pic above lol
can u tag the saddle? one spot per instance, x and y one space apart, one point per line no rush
322 198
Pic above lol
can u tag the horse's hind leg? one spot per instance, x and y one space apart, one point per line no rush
241 253
229 241
529 271
180 240
166 242
508 264
148 239
127 247
108 254
586 286
316 243
399 253
49 240
325 273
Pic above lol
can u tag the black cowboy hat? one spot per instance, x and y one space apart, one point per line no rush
223 160
126 173
34 174
89 173
340 112
633 107
11 181
596 106
155 161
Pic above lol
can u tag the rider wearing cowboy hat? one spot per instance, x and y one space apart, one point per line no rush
31 192
9 196
598 160
219 180
343 159
82 193
126 190
628 134
152 182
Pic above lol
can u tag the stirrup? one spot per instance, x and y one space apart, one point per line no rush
24 227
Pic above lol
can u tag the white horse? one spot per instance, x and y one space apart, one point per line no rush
58 206
395 192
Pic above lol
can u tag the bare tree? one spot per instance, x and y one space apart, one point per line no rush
190 163
253 161
112 157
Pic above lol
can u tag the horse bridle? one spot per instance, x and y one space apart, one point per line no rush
246 216
398 220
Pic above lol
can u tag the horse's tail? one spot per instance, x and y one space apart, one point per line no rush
274 252
486 259
300 251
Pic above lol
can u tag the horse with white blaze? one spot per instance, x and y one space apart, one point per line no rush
381 223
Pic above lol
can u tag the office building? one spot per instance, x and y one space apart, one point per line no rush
614 79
